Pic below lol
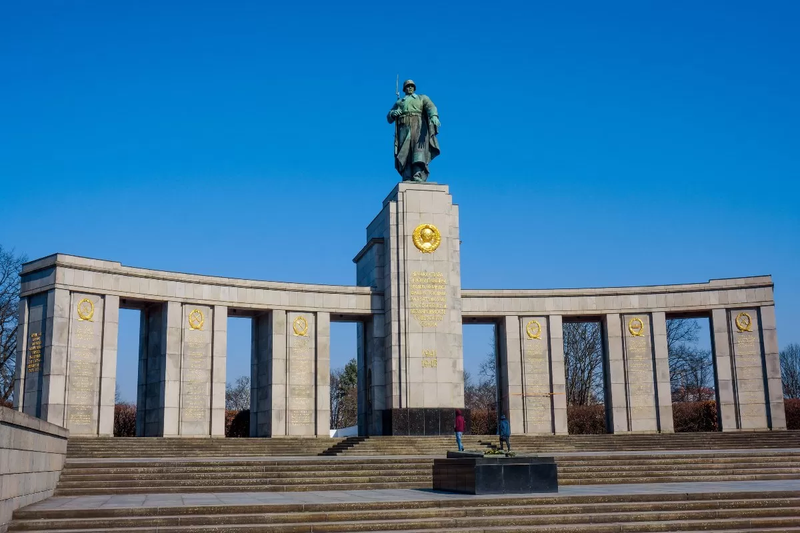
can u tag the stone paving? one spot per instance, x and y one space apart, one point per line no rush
355 496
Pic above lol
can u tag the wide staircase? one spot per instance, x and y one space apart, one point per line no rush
737 512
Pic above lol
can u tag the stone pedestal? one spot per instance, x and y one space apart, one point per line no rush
412 257
496 475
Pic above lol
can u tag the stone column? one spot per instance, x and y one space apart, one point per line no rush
559 374
159 392
83 372
723 370
509 371
772 367
108 365
537 405
302 373
171 376
323 377
373 394
616 386
748 357
22 353
269 368
195 370
219 360
640 374
56 346
663 383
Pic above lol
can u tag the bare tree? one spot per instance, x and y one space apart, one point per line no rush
790 370
237 396
583 358
344 395
10 268
691 369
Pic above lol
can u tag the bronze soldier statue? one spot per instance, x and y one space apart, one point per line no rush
416 126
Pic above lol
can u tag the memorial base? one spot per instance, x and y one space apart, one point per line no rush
422 421
495 475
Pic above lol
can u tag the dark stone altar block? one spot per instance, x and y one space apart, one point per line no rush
422 421
496 475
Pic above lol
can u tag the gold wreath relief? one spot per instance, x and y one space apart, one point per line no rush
533 329
427 238
744 322
636 327
300 326
85 310
196 319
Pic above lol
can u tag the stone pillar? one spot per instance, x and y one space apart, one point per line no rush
537 389
56 346
723 370
616 386
663 383
21 354
302 372
83 372
748 357
269 368
219 360
640 373
159 390
509 371
772 366
322 384
195 370
108 365
373 394
558 374
412 257
171 375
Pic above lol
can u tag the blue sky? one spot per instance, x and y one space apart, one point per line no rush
588 144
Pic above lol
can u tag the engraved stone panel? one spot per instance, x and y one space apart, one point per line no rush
37 330
749 375
536 382
83 369
195 395
301 369
640 377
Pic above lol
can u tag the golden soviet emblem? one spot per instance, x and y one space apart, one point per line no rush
196 319
636 327
85 310
427 238
533 329
300 326
744 322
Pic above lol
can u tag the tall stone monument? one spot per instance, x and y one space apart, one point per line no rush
411 369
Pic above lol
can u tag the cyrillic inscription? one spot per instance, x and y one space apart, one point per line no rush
428 298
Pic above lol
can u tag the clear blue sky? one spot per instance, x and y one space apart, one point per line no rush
587 143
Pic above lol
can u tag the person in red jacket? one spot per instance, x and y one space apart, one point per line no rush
459 428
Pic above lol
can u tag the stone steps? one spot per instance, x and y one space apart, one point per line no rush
146 476
674 513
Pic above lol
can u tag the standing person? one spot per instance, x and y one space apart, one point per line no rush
459 429
505 432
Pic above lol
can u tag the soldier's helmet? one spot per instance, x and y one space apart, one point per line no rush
409 82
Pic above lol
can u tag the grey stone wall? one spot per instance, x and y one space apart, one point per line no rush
31 458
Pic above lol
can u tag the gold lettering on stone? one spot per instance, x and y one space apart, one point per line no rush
537 382
80 415
428 297
196 361
747 344
301 417
34 353
640 371
429 359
